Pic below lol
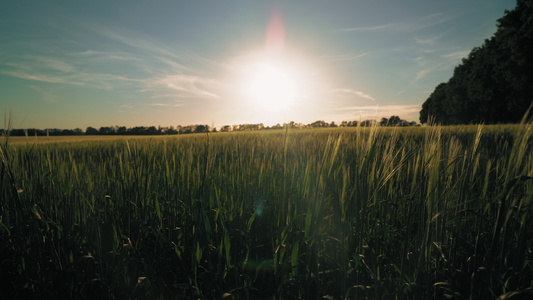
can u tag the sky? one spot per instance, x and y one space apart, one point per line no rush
77 63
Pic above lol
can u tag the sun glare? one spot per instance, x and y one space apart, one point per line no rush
274 89
272 86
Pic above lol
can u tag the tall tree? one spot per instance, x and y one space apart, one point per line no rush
494 83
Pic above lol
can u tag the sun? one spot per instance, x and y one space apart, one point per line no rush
274 88
271 85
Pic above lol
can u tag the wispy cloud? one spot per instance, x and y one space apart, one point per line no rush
369 112
352 92
432 20
165 104
428 41
446 60
383 108
370 28
431 16
457 55
54 70
115 57
414 25
131 59
420 74
47 95
50 63
185 85
24 74
428 66
133 40
170 73
343 57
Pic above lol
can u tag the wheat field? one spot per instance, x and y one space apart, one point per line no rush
342 213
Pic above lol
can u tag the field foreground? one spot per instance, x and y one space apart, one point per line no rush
357 213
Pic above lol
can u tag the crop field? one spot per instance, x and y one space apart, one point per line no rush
32 140
341 213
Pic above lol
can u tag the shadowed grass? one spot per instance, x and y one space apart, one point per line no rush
374 213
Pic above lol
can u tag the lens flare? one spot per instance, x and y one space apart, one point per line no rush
275 35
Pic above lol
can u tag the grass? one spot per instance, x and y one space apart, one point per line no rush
37 140
375 213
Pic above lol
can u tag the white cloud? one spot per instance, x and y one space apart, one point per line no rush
352 92
414 25
371 28
424 72
53 70
133 60
185 85
24 74
457 55
344 57
421 74
432 20
428 41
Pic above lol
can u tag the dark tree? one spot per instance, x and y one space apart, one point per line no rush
139 130
152 130
91 131
122 130
318 124
494 83
367 123
394 121
106 130
201 128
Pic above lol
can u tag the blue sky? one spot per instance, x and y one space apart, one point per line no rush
68 64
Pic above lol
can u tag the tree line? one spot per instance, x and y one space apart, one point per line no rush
171 130
494 84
